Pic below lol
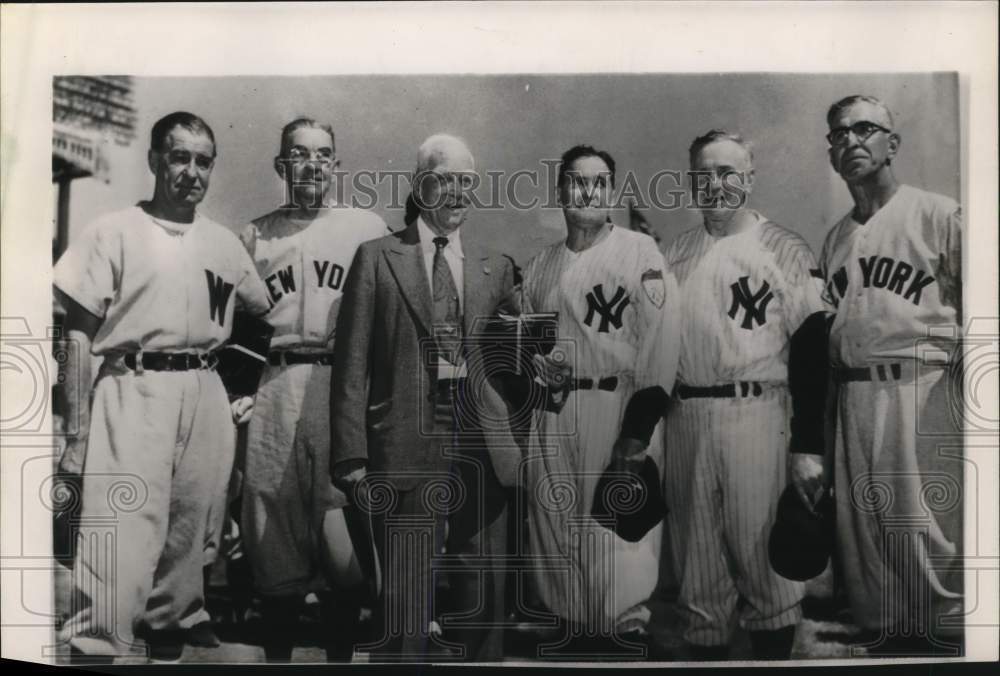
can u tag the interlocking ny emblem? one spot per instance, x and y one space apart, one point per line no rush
755 304
610 310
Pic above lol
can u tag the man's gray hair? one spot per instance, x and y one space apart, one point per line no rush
718 135
435 147
848 101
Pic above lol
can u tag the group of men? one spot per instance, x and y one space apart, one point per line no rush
381 414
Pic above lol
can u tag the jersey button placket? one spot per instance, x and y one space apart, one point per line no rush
859 306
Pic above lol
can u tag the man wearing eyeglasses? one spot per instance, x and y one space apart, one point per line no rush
152 289
893 272
293 522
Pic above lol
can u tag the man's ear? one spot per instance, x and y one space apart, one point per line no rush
279 167
151 160
895 140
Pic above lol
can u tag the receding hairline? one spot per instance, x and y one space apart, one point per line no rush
304 122
437 146
849 102
720 136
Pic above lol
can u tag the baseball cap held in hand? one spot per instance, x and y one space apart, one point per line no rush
629 501
801 541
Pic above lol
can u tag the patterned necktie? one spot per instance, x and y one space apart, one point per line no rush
447 324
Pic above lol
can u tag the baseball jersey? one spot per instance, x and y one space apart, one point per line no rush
159 285
304 265
616 303
894 277
742 296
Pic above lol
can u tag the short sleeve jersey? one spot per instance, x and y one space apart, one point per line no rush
742 297
616 303
894 278
159 285
304 266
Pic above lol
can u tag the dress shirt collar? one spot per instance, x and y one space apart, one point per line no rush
427 240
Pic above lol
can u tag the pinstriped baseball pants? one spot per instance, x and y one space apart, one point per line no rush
725 466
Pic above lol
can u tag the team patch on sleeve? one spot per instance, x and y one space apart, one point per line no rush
652 284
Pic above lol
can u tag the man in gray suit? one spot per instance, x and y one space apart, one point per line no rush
409 400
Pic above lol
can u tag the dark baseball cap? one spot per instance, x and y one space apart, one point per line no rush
629 500
801 541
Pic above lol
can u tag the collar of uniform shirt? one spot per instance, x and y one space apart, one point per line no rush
427 239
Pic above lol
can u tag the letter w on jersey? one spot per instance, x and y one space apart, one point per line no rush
219 291
755 304
609 310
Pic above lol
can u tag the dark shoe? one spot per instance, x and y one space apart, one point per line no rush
203 635
708 653
773 645
278 654
165 646
280 622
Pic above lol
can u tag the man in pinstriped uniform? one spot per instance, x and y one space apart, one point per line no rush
746 286
617 307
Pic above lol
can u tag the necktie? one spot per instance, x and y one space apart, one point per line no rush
447 322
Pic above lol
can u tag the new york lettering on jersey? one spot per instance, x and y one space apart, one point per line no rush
882 272
304 267
893 277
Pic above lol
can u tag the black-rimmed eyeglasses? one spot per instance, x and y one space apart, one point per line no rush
862 130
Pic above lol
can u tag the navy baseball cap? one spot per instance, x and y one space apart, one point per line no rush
801 542
629 500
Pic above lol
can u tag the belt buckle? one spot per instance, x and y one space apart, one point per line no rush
203 360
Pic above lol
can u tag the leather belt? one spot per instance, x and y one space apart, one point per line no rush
170 361
727 391
607 384
288 358
867 374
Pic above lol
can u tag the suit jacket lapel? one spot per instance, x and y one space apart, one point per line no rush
407 264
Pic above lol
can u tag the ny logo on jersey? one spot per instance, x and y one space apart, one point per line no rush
755 304
609 310
218 297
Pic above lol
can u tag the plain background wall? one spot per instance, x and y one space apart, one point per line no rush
512 122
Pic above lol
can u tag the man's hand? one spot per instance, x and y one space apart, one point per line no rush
73 456
626 450
555 372
805 472
242 409
349 481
